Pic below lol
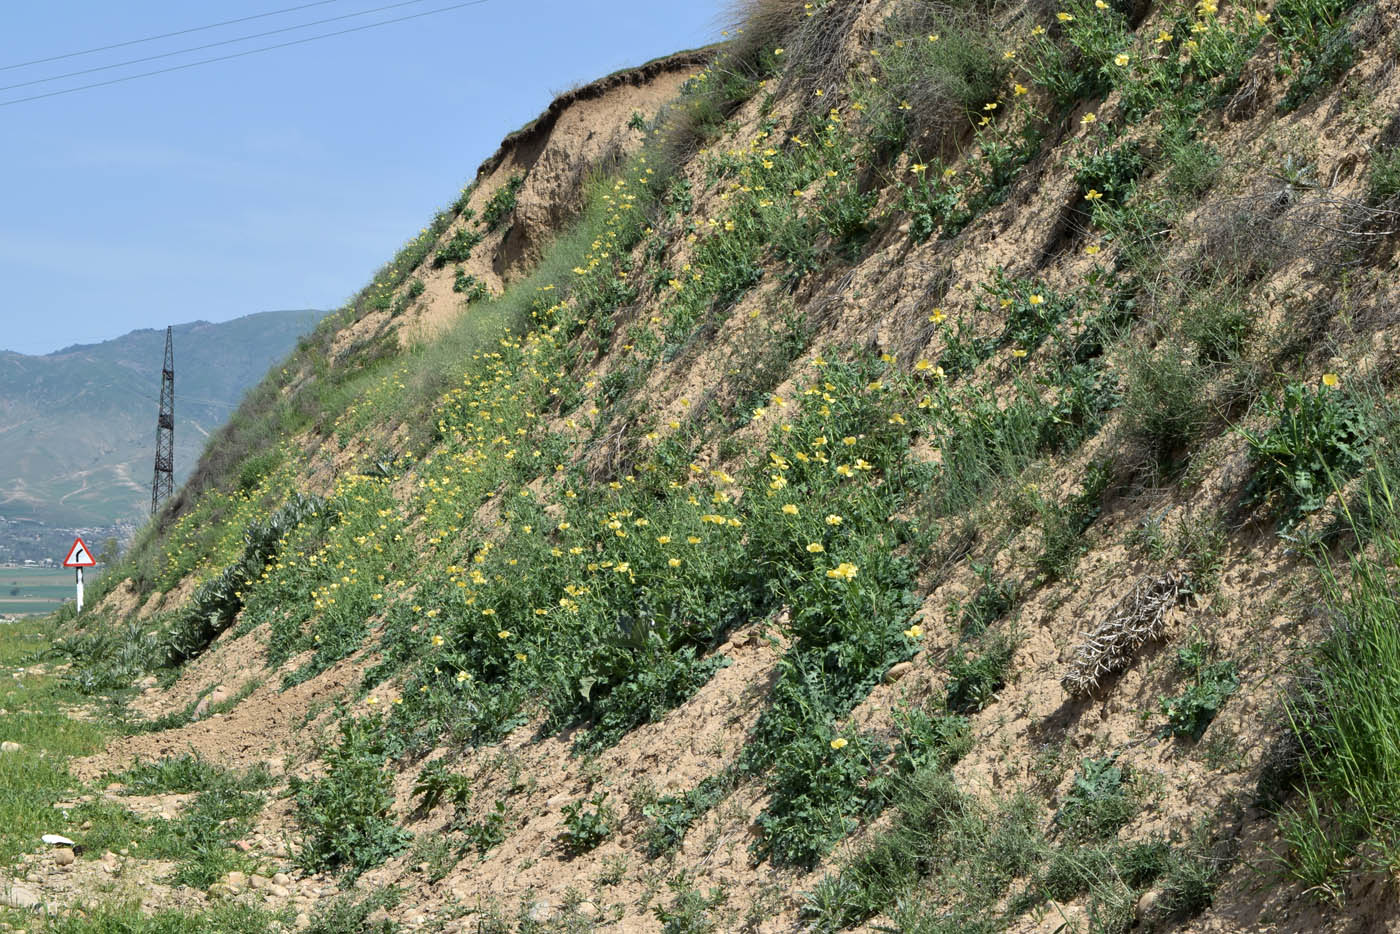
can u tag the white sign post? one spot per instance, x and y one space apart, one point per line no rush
79 557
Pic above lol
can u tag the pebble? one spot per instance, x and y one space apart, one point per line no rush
10 745
281 878
64 855
587 910
898 671
540 911
303 920
258 882
236 882
280 891
1145 903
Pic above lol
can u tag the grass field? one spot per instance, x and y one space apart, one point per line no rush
36 590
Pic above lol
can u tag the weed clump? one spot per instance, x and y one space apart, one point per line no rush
346 815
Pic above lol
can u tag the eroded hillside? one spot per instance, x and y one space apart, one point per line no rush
917 467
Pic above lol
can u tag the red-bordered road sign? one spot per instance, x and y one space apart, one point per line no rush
79 556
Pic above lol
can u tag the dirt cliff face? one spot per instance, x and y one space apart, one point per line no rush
927 405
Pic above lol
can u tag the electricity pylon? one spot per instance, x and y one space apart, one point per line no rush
163 484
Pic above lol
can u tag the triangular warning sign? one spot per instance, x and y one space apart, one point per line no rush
79 556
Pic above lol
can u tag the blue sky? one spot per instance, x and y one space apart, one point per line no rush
278 180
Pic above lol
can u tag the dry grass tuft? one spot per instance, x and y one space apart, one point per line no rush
1140 617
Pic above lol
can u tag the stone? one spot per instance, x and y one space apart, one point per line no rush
259 882
303 920
10 745
281 878
898 671
19 896
1145 903
586 910
540 911
236 881
64 855
279 891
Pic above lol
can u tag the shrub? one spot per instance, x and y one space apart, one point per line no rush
974 680
689 911
1098 802
1164 403
1383 179
1212 684
502 203
587 823
927 91
818 792
469 286
489 831
346 815
1319 436
459 248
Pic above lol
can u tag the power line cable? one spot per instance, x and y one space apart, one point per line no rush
164 35
224 58
211 45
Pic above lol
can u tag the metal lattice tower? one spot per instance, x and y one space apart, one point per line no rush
163 484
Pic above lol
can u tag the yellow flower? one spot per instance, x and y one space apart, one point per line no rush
1092 249
838 743
937 316
1037 299
1093 194
1087 119
914 631
1038 31
1121 59
503 634
844 571
371 701
789 509
917 167
438 640
1330 380
674 562
463 676
1020 89
1164 36
778 51
848 440
1261 18
933 37
1065 17
815 547
834 519
1018 353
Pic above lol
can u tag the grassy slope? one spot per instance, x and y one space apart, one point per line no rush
560 539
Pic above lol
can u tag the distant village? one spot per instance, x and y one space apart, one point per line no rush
27 543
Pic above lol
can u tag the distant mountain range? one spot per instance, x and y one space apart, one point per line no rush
77 426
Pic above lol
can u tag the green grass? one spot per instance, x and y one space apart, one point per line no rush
219 918
1347 719
35 716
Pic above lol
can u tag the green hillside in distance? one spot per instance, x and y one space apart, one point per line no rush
77 426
